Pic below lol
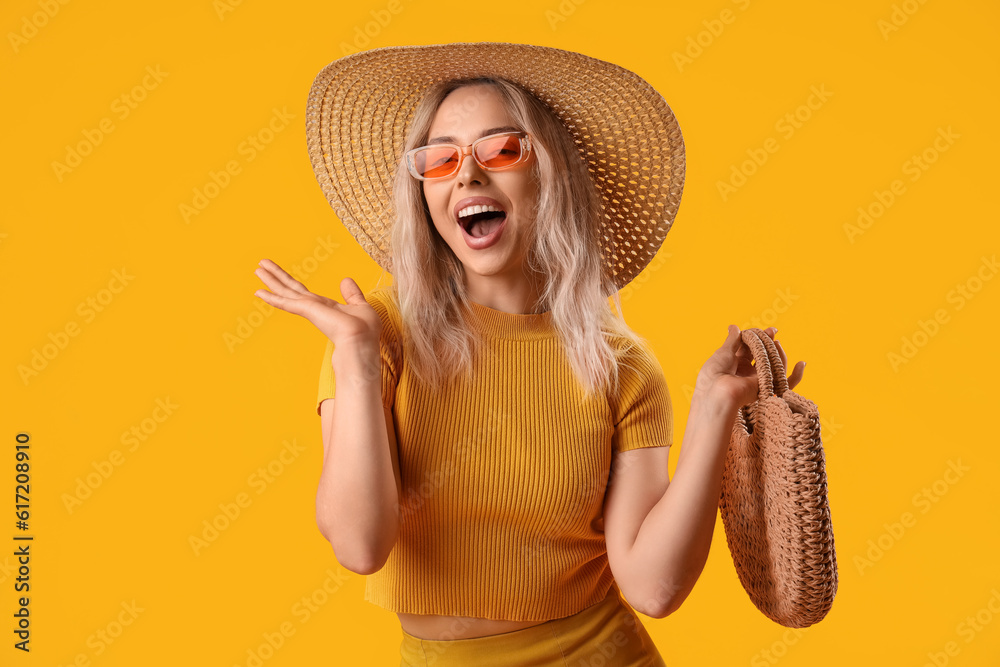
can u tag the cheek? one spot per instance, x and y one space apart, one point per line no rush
436 201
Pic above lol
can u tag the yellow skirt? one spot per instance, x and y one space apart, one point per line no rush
607 634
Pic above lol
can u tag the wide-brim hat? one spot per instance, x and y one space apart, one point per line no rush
360 107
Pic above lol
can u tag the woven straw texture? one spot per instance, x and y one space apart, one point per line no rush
774 502
360 107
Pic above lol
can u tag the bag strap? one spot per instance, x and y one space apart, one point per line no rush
778 383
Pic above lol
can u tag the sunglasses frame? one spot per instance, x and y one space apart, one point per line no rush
524 139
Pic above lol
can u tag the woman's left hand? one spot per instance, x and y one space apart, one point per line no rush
729 377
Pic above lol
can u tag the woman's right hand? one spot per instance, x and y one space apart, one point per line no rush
354 321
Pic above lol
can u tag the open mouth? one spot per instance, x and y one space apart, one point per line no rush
480 222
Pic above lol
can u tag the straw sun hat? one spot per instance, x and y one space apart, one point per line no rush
360 107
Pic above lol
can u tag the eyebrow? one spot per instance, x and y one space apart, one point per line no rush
484 133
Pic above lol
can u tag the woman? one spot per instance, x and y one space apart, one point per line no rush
509 501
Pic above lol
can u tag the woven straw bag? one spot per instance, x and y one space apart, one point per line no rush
774 498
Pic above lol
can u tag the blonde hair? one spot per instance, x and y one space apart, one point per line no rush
439 339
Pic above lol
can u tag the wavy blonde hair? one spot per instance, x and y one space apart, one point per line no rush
429 289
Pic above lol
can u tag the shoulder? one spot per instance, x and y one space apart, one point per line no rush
636 357
383 297
385 302
640 380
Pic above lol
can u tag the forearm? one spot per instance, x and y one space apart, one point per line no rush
673 542
357 502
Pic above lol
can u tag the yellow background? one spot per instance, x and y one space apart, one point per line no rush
774 252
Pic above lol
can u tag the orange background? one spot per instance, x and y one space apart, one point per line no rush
155 364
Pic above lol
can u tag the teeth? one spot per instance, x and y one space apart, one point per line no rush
472 210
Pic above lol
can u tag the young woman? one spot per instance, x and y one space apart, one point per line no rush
496 459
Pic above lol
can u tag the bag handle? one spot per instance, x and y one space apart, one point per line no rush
766 357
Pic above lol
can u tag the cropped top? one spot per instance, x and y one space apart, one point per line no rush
504 475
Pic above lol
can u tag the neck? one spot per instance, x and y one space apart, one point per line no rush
516 297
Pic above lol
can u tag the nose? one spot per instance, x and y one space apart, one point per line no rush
469 171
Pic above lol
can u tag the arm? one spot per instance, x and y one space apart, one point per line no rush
672 538
659 531
357 501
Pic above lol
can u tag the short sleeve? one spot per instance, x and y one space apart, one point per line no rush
642 410
390 354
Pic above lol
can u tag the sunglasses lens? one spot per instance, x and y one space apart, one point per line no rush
493 153
499 152
436 161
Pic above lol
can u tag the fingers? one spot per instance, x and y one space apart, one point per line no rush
800 366
284 303
729 352
796 375
781 354
279 277
744 357
732 337
285 290
268 279
351 292
772 332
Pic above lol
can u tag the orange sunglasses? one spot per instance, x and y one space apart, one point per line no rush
492 153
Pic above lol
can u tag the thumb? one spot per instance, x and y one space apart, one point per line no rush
351 292
725 358
733 337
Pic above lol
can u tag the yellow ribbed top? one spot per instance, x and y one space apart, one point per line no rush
504 475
